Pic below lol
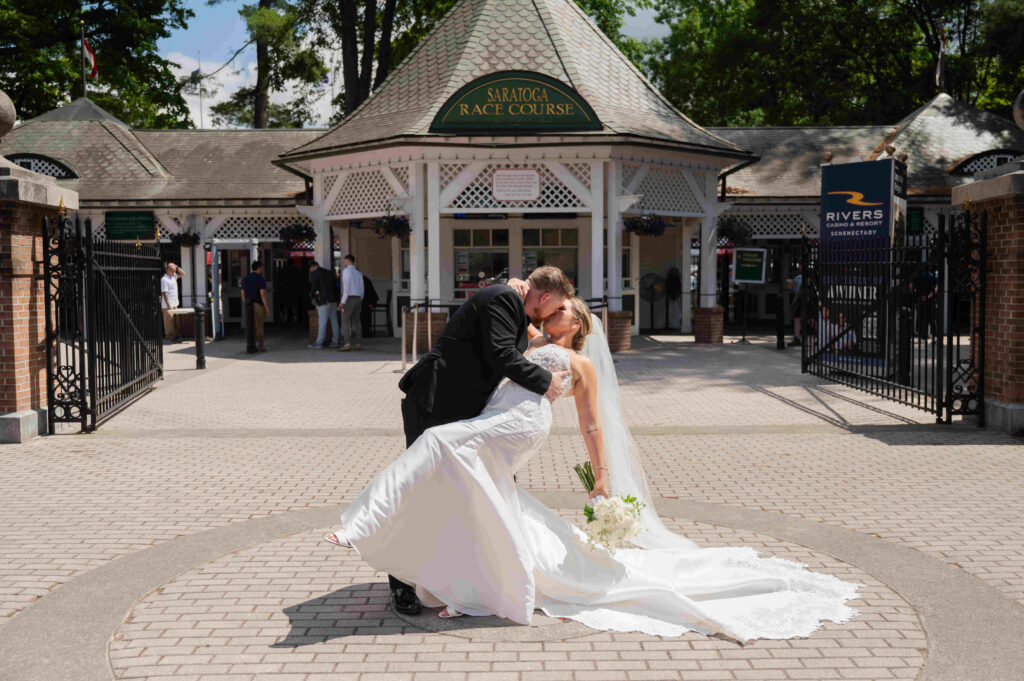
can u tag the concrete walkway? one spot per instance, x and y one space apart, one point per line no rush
182 539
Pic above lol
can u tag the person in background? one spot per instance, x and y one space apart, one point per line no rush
351 304
169 300
254 291
370 300
325 297
797 284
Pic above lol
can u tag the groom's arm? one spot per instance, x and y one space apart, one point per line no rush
500 321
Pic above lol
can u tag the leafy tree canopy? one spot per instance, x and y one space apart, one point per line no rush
41 64
814 62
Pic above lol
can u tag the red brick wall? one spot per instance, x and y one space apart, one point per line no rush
707 324
22 311
1004 300
439 319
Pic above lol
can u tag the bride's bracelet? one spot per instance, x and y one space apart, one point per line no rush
603 467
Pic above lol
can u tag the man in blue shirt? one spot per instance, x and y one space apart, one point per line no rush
254 291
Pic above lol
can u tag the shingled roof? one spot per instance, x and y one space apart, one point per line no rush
479 37
114 162
936 138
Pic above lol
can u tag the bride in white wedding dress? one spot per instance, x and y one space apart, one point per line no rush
447 517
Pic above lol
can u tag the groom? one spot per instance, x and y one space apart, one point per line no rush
482 343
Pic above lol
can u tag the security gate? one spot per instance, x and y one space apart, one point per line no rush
903 322
104 330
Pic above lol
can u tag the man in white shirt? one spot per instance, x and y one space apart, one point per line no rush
351 305
169 299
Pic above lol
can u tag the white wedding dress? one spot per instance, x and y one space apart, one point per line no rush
447 517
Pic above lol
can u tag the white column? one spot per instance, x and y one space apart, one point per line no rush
686 316
217 317
433 231
322 247
614 238
515 248
708 249
597 229
417 264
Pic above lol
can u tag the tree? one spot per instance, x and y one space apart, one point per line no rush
283 59
41 64
812 62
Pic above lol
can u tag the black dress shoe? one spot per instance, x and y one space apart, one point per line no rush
406 602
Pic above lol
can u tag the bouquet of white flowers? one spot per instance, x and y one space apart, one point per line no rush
610 522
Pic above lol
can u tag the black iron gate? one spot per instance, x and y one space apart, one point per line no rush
104 330
905 322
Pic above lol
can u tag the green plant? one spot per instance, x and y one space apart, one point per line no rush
645 224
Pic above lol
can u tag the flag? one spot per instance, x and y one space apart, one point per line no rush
195 76
939 66
90 58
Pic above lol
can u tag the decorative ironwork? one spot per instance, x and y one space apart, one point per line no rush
104 330
904 322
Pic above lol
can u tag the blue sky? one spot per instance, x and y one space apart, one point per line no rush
216 32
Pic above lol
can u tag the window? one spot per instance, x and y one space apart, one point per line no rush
985 161
627 277
551 246
43 165
481 259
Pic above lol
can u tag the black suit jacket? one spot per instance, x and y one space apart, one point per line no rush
483 342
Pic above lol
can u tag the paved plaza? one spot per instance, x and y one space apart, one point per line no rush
182 539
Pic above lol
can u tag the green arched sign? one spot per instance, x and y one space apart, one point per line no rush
515 101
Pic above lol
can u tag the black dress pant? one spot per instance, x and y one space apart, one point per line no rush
414 420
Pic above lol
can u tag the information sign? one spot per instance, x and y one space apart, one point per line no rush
131 225
748 265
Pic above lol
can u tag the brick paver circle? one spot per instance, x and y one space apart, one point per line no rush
298 608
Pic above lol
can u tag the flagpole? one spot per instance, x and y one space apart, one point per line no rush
81 49
200 64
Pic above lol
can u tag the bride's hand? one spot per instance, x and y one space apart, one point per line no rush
600 488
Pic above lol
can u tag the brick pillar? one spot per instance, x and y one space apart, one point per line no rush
25 198
1003 199
707 324
438 322
620 330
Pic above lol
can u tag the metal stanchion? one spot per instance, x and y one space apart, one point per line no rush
199 324
415 330
403 311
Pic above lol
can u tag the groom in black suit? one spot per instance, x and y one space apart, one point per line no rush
482 343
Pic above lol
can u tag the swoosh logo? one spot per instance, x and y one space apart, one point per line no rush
856 199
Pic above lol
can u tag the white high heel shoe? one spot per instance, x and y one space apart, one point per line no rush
337 539
449 612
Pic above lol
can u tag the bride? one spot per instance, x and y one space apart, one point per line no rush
448 517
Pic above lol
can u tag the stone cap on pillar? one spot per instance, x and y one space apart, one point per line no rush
1002 186
21 184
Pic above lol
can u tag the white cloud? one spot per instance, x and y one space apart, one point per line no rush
236 75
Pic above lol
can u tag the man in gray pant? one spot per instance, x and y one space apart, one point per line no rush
351 305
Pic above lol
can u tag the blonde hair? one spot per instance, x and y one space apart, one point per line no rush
582 313
552 280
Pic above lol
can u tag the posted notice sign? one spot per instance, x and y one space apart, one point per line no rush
132 225
748 265
515 185
857 200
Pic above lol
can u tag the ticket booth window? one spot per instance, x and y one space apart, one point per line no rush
481 259
552 246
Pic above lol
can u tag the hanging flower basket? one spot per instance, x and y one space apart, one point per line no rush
733 230
391 226
297 233
644 225
186 238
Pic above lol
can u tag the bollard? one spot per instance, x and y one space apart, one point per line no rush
199 322
404 322
415 330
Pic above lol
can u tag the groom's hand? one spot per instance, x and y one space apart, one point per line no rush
519 286
557 387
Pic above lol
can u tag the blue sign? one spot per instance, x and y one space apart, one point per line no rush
856 202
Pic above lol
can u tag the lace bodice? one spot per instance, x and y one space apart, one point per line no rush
535 409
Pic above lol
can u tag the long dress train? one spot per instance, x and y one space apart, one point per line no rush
447 517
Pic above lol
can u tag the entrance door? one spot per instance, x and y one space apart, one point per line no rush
373 258
659 255
234 265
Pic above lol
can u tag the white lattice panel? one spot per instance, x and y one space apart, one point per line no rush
449 171
987 161
329 183
581 171
263 227
44 166
775 224
364 192
553 194
666 191
626 175
402 173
